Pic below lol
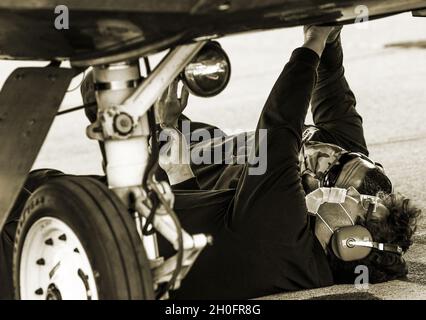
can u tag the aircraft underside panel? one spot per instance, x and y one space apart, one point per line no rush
100 28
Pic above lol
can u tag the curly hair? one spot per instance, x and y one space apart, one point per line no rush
397 228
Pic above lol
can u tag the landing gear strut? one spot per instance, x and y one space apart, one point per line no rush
105 251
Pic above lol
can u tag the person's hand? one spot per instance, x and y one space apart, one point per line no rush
334 34
169 107
316 37
174 157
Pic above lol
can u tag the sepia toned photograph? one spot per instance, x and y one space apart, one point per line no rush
218 150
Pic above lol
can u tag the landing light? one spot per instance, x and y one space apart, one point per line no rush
209 72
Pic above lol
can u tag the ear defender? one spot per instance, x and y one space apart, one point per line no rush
355 243
343 243
354 173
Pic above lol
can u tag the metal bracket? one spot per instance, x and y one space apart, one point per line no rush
193 245
29 101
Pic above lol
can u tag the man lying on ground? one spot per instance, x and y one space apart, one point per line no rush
325 163
266 240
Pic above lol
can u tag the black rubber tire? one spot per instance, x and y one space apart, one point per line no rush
105 229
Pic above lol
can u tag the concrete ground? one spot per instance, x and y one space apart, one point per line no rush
386 67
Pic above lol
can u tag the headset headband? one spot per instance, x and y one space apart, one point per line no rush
351 243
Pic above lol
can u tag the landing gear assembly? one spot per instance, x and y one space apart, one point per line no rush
80 239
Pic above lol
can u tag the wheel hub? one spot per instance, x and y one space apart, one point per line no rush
54 264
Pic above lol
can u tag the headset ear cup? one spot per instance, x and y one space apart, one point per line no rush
340 243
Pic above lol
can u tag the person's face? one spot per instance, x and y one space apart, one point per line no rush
336 217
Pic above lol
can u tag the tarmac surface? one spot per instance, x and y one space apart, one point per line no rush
386 68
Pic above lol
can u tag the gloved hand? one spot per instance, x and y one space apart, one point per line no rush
316 37
174 156
169 107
